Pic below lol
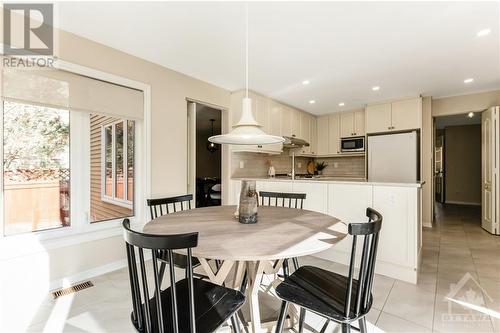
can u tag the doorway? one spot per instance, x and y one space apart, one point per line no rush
464 171
205 158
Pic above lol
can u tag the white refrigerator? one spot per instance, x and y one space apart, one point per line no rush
393 158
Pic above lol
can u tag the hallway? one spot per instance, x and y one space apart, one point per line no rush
457 250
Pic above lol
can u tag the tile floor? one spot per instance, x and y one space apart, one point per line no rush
458 289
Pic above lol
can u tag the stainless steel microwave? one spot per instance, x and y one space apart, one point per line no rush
356 144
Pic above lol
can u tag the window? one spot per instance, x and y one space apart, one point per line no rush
36 168
112 150
69 160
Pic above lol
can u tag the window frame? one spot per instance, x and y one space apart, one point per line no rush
80 229
113 199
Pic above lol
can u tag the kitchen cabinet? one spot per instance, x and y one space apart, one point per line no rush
296 118
313 125
286 121
348 202
352 123
396 204
407 114
378 118
322 127
275 118
400 236
316 195
396 116
305 131
334 134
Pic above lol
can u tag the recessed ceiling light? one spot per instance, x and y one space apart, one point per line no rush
312 101
375 88
470 114
469 80
305 82
341 104
484 32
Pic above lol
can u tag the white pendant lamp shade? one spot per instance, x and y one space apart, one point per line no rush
247 131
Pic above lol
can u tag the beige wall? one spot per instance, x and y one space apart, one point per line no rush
465 103
427 161
169 90
463 164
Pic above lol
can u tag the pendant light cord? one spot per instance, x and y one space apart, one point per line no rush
246 49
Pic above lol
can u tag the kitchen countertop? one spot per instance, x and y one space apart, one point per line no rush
333 180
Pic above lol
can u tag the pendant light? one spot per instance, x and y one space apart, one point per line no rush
247 131
212 147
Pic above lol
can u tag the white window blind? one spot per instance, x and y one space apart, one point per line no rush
58 88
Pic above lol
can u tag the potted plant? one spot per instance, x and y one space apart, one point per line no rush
320 166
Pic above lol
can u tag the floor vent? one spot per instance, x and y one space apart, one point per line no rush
72 289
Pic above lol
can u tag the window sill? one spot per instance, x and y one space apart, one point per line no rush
12 247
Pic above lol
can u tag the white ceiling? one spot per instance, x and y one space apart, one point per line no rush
342 48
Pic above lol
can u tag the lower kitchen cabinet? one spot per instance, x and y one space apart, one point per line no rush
348 203
316 195
400 218
400 236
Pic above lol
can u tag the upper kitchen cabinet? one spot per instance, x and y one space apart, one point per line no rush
313 148
305 131
286 121
275 118
296 127
352 123
334 134
322 135
328 135
378 118
396 116
407 114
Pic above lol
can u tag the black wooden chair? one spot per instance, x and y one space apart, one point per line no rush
188 305
335 296
162 206
280 199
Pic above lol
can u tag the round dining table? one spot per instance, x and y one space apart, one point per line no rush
259 249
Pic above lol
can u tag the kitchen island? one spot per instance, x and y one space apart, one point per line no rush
347 199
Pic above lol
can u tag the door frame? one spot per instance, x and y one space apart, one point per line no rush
494 169
191 148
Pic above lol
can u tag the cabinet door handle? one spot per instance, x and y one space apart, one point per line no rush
293 135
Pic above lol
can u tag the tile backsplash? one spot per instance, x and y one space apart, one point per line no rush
257 165
353 166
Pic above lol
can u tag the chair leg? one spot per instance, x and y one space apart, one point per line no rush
346 328
362 325
282 317
163 265
235 324
325 326
295 263
302 318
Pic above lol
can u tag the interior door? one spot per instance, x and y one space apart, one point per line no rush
489 220
191 163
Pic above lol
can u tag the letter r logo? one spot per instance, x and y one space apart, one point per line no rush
28 29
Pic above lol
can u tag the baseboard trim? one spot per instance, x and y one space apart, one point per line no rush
453 202
90 273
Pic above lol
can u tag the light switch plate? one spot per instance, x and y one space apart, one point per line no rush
242 164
